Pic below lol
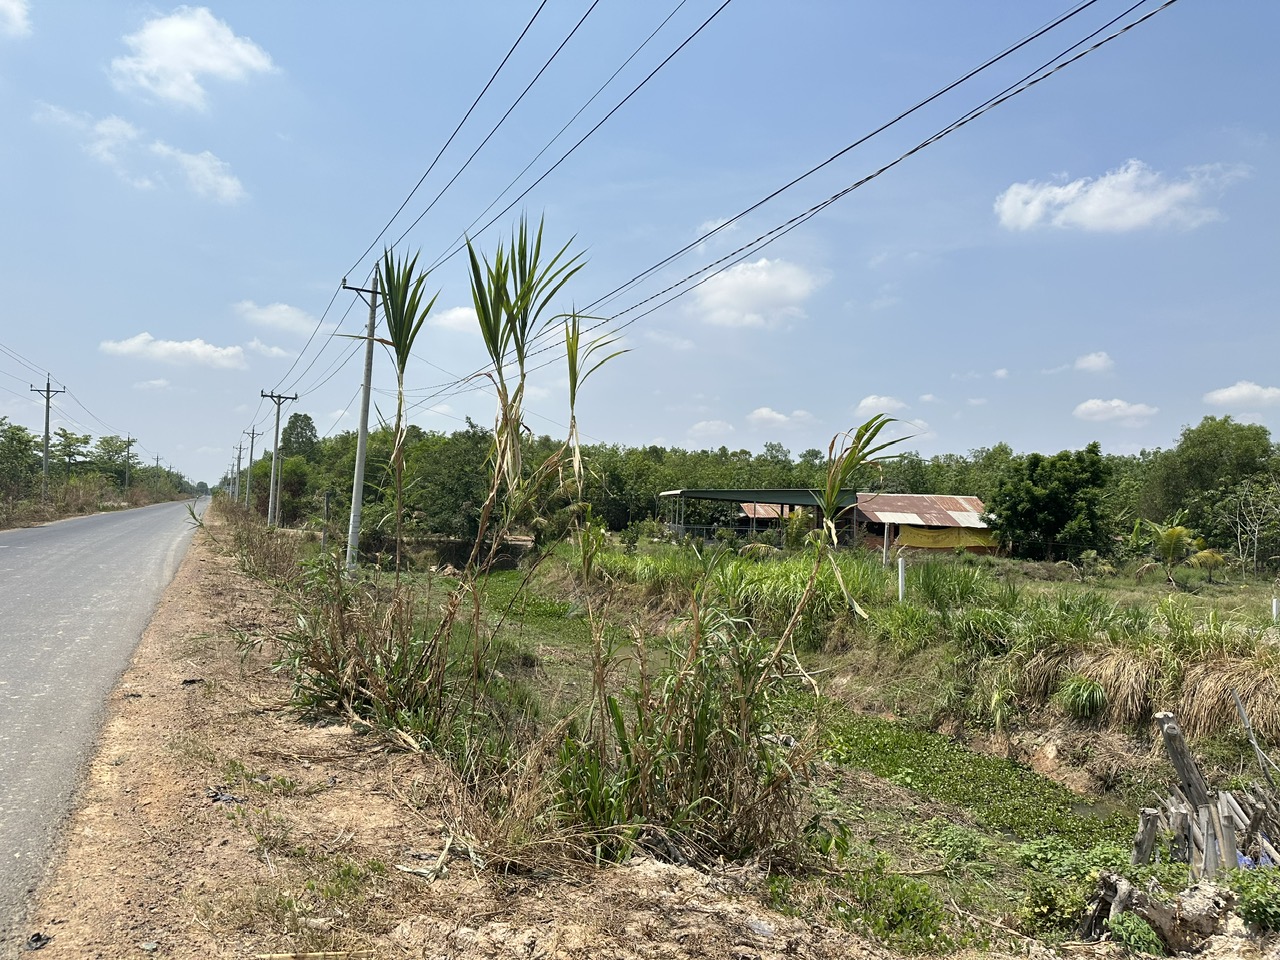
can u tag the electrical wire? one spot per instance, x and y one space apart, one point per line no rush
764 240
559 133
381 233
470 109
586 136
501 121
684 285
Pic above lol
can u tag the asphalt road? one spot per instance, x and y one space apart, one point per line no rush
75 597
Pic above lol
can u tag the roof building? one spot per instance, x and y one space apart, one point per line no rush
920 520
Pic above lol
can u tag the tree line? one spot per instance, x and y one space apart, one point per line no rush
84 474
1220 483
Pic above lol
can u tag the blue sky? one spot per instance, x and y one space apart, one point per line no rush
183 188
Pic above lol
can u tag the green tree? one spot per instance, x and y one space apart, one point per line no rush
109 456
1215 455
1050 507
66 449
19 461
298 438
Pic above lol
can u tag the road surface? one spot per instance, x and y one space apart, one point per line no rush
75 597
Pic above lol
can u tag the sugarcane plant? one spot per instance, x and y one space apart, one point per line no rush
404 312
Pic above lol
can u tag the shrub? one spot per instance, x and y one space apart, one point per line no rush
903 911
1258 896
1135 934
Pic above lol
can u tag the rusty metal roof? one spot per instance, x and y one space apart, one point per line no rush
908 509
922 510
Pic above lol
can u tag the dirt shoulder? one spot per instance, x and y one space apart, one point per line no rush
214 823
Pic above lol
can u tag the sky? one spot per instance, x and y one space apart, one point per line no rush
1096 257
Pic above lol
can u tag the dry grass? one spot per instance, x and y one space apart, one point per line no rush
1130 678
1207 705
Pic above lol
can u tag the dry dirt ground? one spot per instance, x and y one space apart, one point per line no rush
215 823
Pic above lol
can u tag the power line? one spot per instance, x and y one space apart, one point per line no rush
465 116
564 157
1046 70
559 133
992 61
500 122
1036 77
568 153
381 233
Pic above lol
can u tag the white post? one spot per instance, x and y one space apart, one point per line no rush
902 577
1275 608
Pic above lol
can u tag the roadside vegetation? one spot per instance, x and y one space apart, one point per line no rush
85 476
608 693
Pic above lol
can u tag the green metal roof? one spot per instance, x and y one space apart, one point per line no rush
791 498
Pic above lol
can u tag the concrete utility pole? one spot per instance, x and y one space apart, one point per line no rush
248 480
273 505
49 393
128 445
362 437
235 484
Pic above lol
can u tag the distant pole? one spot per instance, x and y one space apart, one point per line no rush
362 436
128 444
235 484
248 479
273 506
49 393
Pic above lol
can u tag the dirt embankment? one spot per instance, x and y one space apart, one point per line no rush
213 823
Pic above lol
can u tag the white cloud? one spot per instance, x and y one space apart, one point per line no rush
151 385
1001 374
461 319
1099 362
669 340
112 141
1129 198
874 403
710 429
765 293
14 19
1243 393
206 174
275 353
1117 411
172 54
928 398
768 417
278 316
180 352
977 401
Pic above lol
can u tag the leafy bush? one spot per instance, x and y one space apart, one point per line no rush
902 911
1258 896
1136 935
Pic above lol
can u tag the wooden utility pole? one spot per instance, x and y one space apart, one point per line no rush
49 393
362 436
273 498
248 480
